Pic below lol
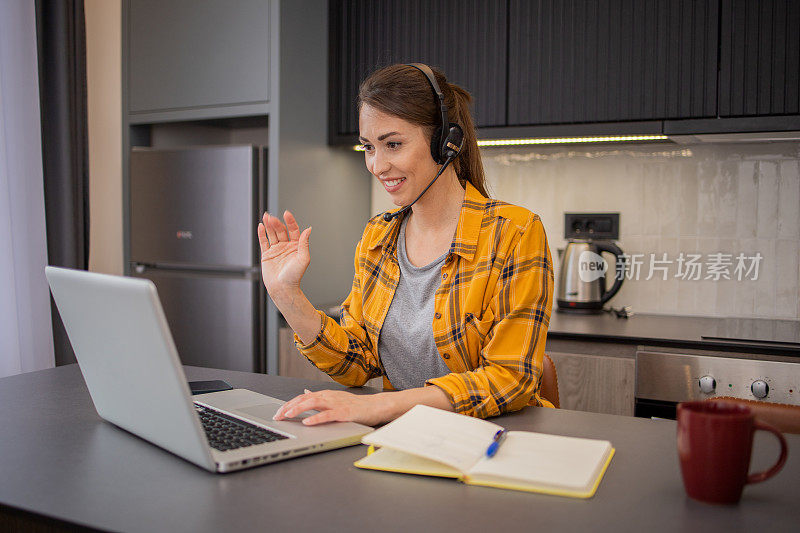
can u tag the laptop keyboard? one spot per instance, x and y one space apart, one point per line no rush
228 433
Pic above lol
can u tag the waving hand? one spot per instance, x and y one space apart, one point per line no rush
285 253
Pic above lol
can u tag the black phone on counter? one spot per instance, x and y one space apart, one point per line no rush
204 387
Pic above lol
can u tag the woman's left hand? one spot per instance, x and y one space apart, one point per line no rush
337 406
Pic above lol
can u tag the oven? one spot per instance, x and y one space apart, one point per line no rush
665 379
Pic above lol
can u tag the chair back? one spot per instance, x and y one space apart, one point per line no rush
785 417
549 388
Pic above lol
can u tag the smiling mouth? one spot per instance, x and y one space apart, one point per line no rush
394 183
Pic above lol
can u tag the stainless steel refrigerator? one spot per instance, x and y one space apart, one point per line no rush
193 233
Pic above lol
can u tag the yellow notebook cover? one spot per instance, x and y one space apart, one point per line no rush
432 442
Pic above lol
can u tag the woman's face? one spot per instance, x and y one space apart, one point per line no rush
396 152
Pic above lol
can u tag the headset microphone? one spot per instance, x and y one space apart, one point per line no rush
387 216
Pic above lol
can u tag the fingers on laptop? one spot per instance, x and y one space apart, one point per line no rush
330 415
288 409
332 407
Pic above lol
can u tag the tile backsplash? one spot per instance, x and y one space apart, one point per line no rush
702 200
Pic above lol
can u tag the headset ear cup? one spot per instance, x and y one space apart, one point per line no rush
455 137
436 146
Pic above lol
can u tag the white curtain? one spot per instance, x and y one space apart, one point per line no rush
26 339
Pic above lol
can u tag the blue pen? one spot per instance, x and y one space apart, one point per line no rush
498 439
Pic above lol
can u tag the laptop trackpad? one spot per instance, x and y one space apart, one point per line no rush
268 410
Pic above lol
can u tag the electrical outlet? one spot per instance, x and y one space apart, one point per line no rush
595 226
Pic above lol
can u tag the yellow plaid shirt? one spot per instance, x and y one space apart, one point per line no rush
491 311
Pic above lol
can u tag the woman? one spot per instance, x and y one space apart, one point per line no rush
450 300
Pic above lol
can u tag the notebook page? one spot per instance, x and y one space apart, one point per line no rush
449 438
549 461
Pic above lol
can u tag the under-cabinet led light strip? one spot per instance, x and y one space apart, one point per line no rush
571 140
560 140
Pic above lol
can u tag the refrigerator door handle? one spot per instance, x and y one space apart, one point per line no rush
251 273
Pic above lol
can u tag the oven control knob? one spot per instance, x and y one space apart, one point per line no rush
759 388
708 384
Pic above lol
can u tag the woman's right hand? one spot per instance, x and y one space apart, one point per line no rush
285 253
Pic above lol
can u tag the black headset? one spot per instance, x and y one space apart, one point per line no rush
444 147
448 138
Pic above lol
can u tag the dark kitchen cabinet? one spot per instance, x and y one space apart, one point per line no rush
465 38
186 54
573 61
583 67
759 58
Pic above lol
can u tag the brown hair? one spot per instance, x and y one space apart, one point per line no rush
405 92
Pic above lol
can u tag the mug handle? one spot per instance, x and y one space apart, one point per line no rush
758 477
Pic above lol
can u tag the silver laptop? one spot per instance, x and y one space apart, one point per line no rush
131 367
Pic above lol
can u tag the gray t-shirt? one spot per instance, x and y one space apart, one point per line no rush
405 344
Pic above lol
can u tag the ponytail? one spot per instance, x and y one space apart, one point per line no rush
468 164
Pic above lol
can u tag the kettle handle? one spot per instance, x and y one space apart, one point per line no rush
612 248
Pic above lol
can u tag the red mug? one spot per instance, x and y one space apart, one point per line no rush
714 444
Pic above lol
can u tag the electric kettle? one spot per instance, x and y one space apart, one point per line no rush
582 279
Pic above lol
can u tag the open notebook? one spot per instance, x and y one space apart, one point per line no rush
433 442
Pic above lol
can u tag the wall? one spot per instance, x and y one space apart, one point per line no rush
103 74
696 199
325 187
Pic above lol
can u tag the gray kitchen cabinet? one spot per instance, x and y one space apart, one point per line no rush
595 383
293 364
185 54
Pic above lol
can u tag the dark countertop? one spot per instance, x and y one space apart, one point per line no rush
753 335
777 337
61 461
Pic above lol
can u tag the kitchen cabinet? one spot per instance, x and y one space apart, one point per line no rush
292 363
595 383
465 38
759 58
187 54
561 68
586 382
618 60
